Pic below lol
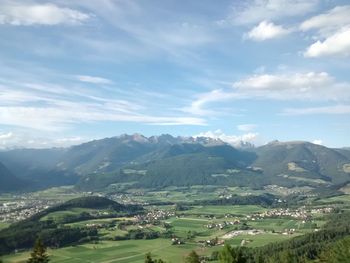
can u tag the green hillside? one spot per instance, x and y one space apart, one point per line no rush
164 160
50 226
303 161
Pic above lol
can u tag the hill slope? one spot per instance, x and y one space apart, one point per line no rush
22 234
159 161
303 161
9 182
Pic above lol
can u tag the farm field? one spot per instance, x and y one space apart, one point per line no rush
218 210
115 251
195 226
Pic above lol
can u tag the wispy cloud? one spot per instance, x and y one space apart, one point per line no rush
247 127
93 79
21 13
254 11
54 107
335 109
328 21
198 106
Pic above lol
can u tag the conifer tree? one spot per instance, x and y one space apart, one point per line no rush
38 254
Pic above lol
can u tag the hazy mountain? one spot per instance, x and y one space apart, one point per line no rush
9 182
303 161
167 160
181 165
344 151
38 166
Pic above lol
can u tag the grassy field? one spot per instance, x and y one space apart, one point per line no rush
190 225
116 251
227 209
3 225
258 240
188 194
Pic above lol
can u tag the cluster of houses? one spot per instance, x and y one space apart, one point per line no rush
301 213
154 216
18 210
223 224
236 233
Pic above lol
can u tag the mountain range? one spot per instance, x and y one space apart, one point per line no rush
160 161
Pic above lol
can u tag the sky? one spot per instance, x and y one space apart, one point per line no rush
253 71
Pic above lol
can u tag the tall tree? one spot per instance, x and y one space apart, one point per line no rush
337 253
192 257
39 254
226 255
148 259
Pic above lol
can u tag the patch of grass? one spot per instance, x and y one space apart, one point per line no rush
222 210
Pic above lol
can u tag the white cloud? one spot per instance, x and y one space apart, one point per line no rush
235 140
257 10
336 44
6 136
335 109
283 81
27 14
246 127
308 86
335 18
302 86
333 33
266 30
93 80
319 142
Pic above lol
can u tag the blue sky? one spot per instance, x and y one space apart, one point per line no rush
257 70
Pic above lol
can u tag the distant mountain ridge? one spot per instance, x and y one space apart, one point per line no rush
164 160
8 181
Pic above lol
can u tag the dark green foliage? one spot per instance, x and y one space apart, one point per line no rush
339 252
141 234
192 257
24 233
234 255
185 164
263 200
93 202
325 244
148 259
226 254
39 253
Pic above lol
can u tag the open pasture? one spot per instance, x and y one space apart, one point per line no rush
217 210
115 251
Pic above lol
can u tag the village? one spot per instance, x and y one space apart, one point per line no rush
15 211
